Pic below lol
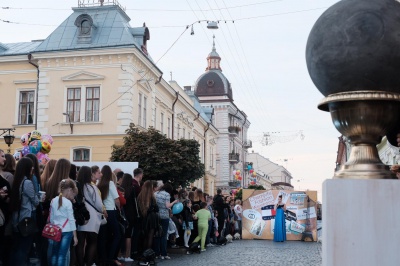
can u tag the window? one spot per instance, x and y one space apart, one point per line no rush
26 107
85 27
81 155
140 110
73 104
169 127
144 112
92 104
188 134
162 123
179 129
211 157
183 132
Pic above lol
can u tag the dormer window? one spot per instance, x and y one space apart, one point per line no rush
85 26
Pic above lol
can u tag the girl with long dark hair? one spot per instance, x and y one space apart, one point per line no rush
23 202
8 169
86 254
129 210
110 197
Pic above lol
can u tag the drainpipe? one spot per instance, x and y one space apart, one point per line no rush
204 152
244 167
173 114
37 89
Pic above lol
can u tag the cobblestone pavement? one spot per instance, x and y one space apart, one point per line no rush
253 252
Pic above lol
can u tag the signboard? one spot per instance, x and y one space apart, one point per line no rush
259 214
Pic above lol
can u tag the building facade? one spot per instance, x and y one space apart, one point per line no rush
88 81
269 173
214 92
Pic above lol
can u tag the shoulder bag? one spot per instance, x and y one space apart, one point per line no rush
52 231
27 226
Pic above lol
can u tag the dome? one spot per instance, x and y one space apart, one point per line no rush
354 46
213 83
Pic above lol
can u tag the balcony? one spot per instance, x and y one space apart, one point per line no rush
233 157
247 144
234 183
233 131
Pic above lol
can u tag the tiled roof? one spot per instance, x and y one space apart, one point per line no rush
110 28
18 48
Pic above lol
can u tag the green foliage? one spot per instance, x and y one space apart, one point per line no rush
161 158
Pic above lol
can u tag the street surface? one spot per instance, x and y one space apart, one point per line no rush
253 252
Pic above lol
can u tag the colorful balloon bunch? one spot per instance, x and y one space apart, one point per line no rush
38 144
236 174
253 174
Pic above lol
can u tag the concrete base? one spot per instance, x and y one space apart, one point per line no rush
361 222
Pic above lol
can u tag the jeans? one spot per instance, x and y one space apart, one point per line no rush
161 242
20 250
58 250
113 228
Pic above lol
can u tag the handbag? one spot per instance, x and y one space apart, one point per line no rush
122 219
52 231
27 226
2 218
103 220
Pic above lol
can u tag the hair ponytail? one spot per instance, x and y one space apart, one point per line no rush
60 200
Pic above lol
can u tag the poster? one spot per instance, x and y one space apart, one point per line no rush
259 214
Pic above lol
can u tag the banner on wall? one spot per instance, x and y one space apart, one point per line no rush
259 214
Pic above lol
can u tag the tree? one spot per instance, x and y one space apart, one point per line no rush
239 194
161 158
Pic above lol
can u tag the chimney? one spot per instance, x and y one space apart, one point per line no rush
187 88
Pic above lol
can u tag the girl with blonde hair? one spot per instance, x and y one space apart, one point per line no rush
61 171
62 214
48 170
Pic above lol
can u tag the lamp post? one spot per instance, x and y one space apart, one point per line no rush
8 139
69 120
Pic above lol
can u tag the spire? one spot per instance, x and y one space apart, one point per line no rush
213 58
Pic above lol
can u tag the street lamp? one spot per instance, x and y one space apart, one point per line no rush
8 139
70 124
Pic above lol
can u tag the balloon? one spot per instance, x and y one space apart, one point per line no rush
43 158
35 146
17 155
25 140
46 147
48 138
35 135
25 150
254 174
238 172
249 167
234 172
251 171
177 208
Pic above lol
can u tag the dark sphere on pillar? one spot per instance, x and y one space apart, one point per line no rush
355 45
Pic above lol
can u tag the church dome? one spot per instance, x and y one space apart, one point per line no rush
213 82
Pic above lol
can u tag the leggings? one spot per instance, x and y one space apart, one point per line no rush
86 253
203 228
186 236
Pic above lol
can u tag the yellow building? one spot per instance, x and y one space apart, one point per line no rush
86 82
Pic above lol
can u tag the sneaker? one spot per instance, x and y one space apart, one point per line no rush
188 253
159 257
210 245
121 258
165 257
128 259
186 246
203 250
144 263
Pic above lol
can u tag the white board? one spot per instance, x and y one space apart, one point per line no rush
126 167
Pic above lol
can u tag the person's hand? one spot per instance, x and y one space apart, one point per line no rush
75 241
105 214
3 193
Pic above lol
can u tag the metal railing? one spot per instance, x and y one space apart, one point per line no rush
92 3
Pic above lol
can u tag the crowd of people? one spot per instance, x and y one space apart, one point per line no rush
107 217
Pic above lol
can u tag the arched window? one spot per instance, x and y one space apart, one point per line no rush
85 27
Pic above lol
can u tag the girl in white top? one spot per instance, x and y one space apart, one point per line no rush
62 214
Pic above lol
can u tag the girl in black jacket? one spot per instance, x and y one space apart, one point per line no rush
187 221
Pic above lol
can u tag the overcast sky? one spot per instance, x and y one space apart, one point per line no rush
263 56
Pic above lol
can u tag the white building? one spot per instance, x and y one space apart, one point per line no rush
214 92
269 173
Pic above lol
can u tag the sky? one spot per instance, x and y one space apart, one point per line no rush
262 45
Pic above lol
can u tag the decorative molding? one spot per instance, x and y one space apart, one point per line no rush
25 81
82 75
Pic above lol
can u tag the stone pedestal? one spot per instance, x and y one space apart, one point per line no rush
361 222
